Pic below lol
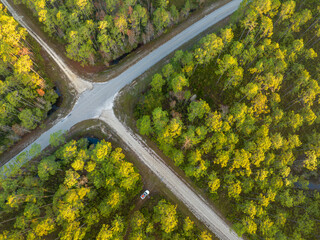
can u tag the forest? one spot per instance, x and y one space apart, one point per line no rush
100 31
84 191
26 95
239 113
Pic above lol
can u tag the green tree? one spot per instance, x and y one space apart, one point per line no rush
214 182
144 125
197 109
311 161
57 138
28 120
224 64
286 11
165 214
178 83
35 150
161 19
157 83
71 178
101 151
47 166
205 236
160 119
45 227
188 226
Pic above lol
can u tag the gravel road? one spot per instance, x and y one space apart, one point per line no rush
96 101
196 204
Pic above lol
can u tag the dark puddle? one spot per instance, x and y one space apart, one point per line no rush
57 104
311 186
93 141
117 60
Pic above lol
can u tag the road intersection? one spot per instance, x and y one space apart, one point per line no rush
95 101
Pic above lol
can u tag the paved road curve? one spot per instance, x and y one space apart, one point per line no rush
96 101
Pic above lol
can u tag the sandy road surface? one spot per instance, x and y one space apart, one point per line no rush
96 101
196 204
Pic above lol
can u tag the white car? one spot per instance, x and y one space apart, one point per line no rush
146 193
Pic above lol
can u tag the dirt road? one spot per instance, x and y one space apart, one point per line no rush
196 204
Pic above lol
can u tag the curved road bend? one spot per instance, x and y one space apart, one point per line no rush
96 101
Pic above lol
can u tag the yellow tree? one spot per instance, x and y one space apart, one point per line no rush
120 23
165 214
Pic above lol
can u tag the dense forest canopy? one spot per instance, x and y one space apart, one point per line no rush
250 136
25 96
85 191
103 30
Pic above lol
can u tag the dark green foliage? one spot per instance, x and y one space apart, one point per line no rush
252 137
104 30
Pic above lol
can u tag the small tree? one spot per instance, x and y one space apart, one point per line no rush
144 125
157 82
48 166
35 150
166 214
57 138
197 110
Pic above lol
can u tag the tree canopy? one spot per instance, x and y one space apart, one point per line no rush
100 31
88 194
25 95
245 103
